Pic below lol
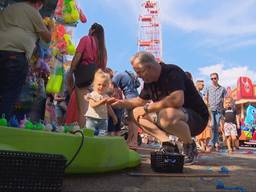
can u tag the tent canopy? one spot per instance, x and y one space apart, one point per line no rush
242 101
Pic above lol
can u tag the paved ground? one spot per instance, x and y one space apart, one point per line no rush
242 167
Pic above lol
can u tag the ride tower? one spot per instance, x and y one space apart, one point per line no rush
149 33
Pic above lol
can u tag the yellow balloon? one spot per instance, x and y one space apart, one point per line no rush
75 15
71 49
68 18
66 37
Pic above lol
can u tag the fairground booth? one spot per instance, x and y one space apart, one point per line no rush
34 154
245 100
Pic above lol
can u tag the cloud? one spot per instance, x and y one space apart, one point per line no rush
216 18
219 24
123 6
238 44
228 76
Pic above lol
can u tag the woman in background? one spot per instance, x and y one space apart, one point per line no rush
91 54
21 25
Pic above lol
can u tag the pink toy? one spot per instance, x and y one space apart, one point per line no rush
59 8
23 121
82 16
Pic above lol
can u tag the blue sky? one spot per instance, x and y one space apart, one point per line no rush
201 36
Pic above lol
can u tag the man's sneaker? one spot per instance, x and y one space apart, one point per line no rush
168 147
190 152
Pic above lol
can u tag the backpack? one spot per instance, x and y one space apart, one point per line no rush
135 79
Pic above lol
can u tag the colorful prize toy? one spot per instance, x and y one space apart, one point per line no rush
83 18
60 129
59 8
48 127
68 128
61 41
13 122
3 121
70 12
23 121
39 126
54 84
29 125
71 49
250 119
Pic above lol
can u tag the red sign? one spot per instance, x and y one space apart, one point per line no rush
245 88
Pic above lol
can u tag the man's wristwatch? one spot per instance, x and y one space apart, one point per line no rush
146 108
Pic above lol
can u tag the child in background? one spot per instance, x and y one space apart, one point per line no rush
204 138
49 115
114 92
60 108
230 124
98 110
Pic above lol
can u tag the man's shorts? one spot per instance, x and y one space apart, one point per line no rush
230 129
196 122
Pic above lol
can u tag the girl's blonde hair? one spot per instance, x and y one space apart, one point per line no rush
99 74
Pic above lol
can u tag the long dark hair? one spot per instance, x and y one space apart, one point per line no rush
98 32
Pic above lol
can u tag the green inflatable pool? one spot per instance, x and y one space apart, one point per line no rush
97 155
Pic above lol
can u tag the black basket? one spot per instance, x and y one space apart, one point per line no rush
3 4
167 162
31 172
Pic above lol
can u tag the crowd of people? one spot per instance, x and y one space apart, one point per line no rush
95 97
224 121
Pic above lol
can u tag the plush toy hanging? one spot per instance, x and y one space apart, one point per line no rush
83 18
61 42
250 119
55 81
67 12
70 12
59 8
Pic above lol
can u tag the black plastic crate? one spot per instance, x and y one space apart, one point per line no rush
167 162
31 172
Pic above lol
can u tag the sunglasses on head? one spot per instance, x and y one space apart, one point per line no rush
213 78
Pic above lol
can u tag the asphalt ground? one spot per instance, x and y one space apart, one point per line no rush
241 167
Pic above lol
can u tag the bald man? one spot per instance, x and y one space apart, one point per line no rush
200 87
177 108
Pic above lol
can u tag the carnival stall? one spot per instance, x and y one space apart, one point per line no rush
28 133
245 99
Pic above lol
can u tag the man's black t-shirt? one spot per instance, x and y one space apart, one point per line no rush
229 115
173 78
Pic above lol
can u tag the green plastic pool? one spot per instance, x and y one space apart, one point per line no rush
97 155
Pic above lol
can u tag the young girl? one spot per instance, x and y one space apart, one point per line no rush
230 124
98 110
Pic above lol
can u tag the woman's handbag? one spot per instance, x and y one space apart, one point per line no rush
84 74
